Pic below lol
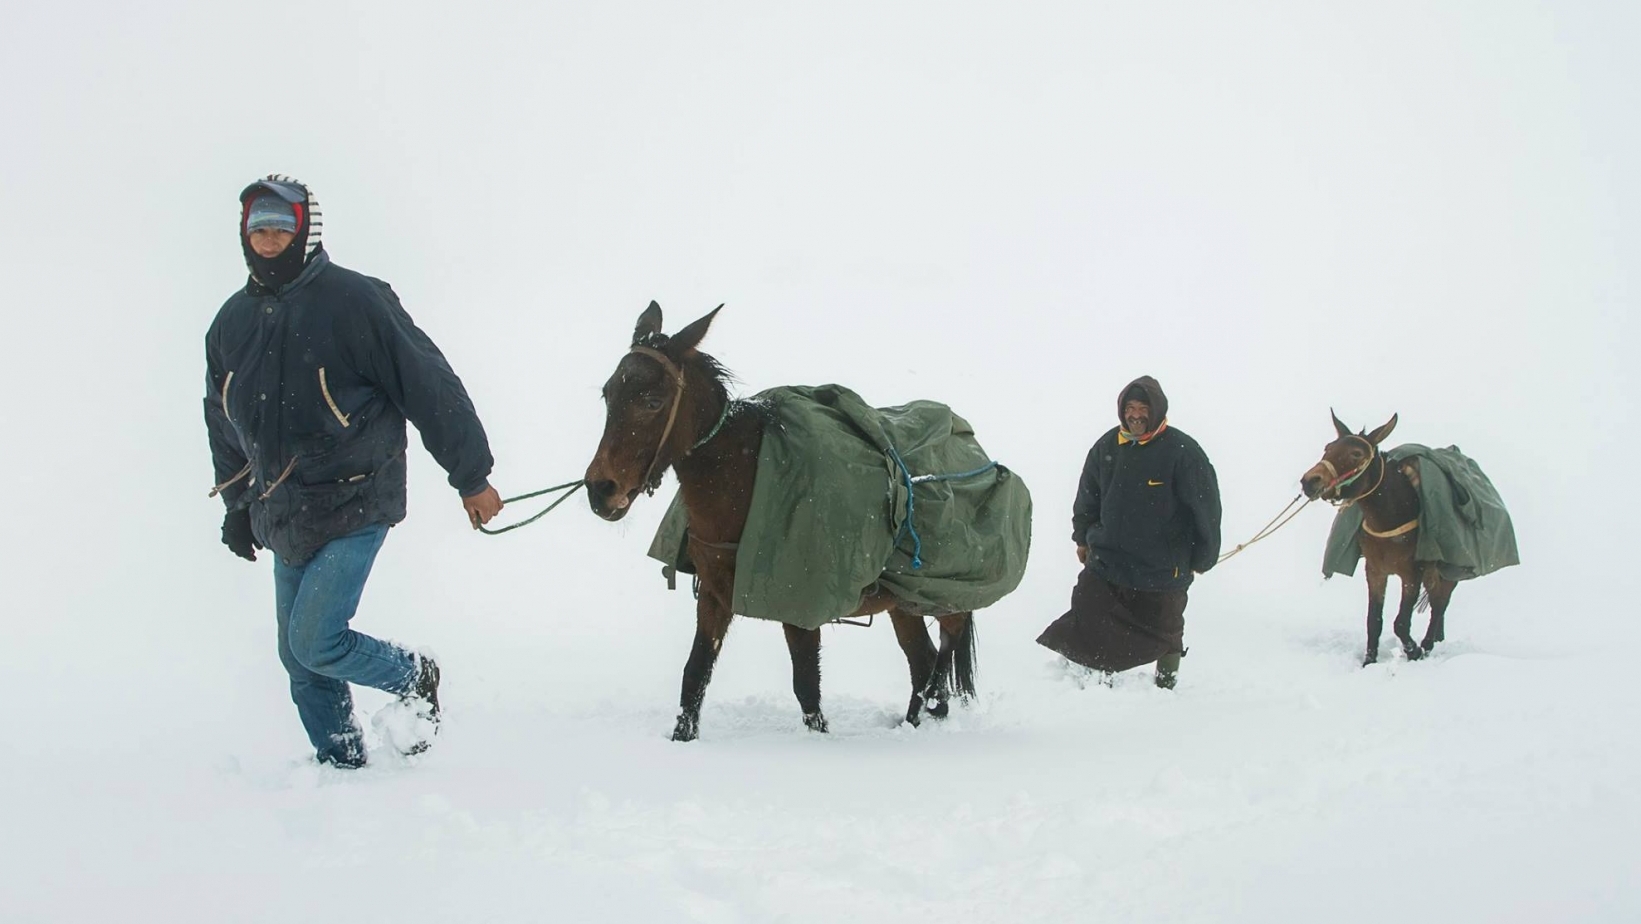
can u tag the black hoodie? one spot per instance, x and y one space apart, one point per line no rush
1148 510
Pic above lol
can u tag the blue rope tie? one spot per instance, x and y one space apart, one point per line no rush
907 525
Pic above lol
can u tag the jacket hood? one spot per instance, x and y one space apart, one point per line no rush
1153 396
280 271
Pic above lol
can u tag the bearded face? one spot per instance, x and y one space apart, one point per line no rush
1136 417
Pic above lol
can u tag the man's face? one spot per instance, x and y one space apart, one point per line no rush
1136 417
270 242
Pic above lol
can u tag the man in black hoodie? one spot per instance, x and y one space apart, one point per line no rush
311 372
1146 519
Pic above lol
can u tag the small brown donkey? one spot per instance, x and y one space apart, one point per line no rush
1354 471
667 407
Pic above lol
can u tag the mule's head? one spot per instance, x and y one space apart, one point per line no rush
1344 461
648 420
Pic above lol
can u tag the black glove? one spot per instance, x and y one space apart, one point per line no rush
237 536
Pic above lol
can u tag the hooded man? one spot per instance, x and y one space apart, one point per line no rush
311 372
1146 519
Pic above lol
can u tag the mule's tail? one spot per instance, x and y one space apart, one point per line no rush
963 659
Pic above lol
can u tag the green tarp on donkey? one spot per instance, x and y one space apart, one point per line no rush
849 497
1463 525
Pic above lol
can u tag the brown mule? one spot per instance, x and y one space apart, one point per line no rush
1354 471
667 407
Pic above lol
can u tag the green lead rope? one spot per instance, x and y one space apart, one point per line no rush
572 487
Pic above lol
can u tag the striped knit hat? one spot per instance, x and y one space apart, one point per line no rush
270 211
302 204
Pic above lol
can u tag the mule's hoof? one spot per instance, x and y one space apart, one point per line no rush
940 709
1370 660
1429 644
815 722
685 730
914 712
1414 652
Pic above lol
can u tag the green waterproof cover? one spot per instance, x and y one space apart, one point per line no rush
1462 521
830 501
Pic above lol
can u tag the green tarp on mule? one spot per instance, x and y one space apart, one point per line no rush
1462 520
830 503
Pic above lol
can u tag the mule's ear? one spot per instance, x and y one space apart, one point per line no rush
1378 436
685 341
1338 425
649 323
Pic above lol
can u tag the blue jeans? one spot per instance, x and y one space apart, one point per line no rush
315 602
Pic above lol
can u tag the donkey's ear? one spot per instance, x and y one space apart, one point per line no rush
1338 425
1378 436
685 341
649 323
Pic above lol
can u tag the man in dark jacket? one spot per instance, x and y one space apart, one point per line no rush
311 373
1145 520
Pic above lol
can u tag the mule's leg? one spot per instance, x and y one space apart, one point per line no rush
1440 590
936 688
711 624
955 640
804 646
920 658
1376 611
957 645
1403 626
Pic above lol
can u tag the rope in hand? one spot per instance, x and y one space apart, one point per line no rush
573 486
1270 527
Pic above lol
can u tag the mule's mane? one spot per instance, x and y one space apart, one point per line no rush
716 374
699 366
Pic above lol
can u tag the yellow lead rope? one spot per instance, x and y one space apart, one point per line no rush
1270 528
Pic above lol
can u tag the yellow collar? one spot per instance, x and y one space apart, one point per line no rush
1123 437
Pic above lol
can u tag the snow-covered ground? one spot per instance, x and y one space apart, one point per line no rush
1274 208
1493 782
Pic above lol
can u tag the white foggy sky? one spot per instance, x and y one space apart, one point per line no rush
1274 208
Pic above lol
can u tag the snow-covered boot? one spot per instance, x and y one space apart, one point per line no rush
347 752
423 699
427 685
1167 671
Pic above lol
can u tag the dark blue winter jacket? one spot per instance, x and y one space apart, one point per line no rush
315 382
1148 510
